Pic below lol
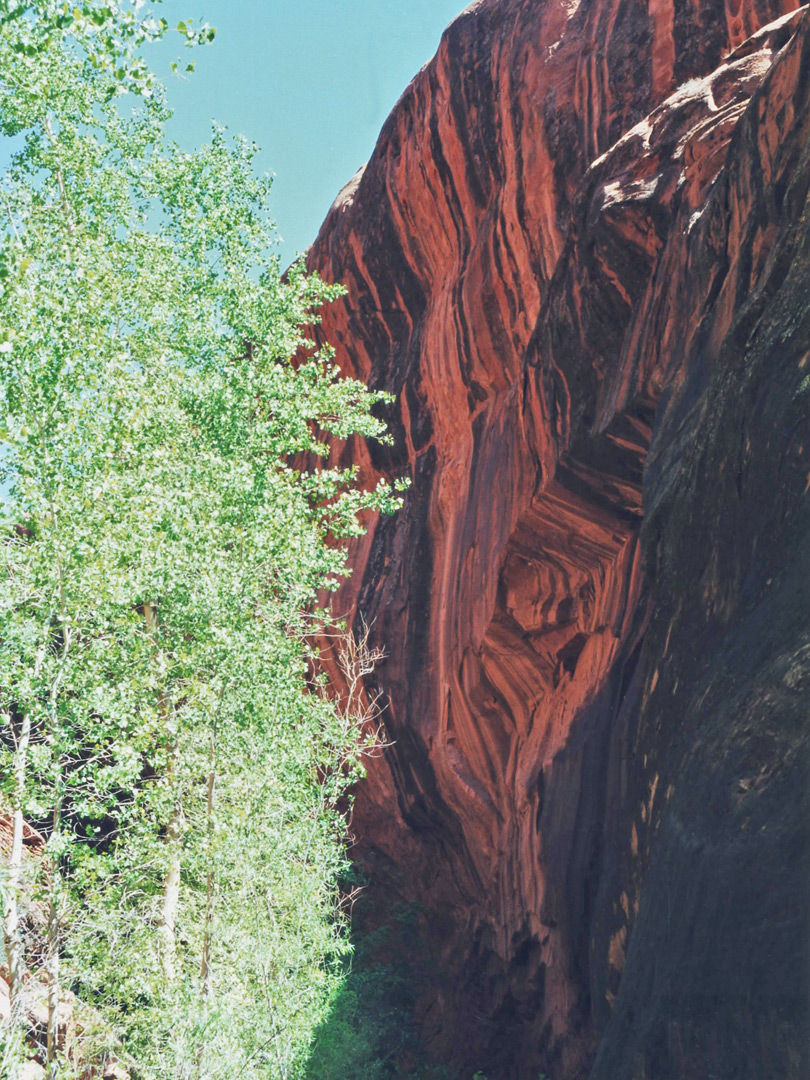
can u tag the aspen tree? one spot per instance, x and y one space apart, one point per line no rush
158 551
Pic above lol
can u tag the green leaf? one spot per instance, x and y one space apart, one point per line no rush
164 554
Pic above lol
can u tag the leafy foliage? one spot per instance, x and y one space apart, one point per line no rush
370 1032
159 547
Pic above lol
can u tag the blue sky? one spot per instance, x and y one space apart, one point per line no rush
311 81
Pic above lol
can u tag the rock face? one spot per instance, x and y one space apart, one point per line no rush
580 258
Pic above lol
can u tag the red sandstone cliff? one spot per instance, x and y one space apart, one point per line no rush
579 257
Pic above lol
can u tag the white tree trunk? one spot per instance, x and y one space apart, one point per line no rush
11 913
53 952
205 966
167 917
171 895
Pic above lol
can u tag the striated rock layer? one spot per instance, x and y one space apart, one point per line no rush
580 258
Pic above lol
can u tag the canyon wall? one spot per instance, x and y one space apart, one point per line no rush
580 259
